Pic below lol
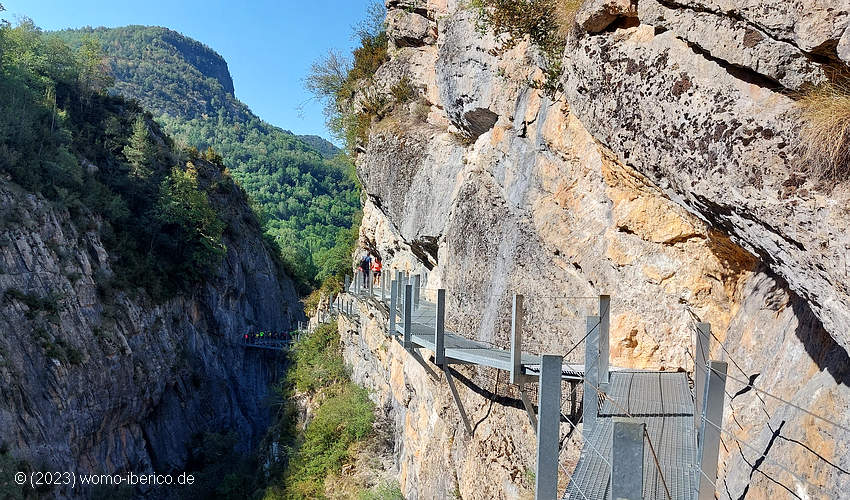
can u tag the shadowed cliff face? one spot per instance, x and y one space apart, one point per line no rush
656 178
98 380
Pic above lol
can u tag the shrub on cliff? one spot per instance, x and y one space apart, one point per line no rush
317 361
825 131
187 215
345 84
342 419
546 23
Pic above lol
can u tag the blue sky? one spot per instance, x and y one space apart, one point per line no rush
268 45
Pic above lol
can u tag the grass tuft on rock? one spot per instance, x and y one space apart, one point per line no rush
825 132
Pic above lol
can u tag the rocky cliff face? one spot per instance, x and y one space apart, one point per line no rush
100 380
666 176
201 57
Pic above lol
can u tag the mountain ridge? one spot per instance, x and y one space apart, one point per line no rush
208 62
305 191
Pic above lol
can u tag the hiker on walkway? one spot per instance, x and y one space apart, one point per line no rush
365 265
377 267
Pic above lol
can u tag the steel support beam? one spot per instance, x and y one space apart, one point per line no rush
702 344
591 375
400 283
347 283
408 316
516 339
383 288
419 359
548 427
604 335
529 408
627 459
573 397
709 442
456 397
417 282
440 329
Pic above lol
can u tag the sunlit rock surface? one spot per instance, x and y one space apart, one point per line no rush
664 176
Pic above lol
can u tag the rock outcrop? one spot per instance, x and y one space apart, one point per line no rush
665 176
100 380
725 151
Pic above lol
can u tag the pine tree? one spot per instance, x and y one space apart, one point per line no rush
140 152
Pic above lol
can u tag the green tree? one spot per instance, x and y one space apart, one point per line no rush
213 156
336 80
185 207
94 71
140 152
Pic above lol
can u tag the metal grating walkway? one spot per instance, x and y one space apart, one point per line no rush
662 401
423 320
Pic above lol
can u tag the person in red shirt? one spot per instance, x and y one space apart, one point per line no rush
377 266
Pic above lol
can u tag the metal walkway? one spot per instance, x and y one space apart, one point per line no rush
275 342
274 345
464 350
663 402
660 459
461 349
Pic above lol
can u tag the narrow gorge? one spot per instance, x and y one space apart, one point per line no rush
130 269
161 246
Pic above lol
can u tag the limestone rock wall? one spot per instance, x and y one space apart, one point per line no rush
660 177
103 381
435 456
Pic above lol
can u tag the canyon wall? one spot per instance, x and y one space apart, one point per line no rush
665 175
103 380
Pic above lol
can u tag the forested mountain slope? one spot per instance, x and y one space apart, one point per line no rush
309 195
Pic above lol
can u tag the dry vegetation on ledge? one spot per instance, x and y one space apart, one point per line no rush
825 132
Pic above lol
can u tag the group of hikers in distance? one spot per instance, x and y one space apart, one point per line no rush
252 338
368 263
